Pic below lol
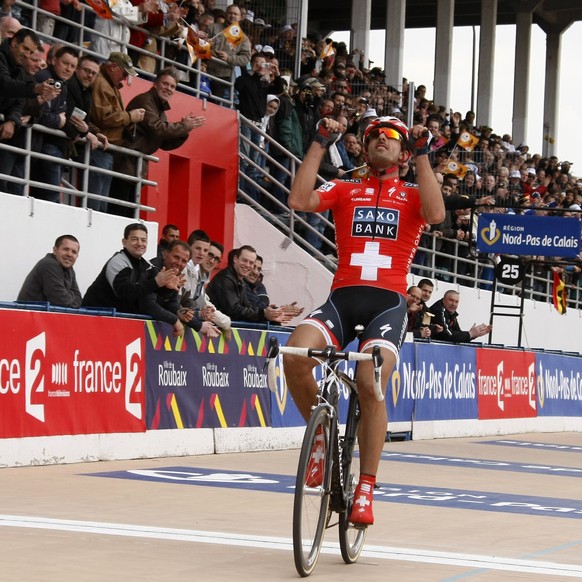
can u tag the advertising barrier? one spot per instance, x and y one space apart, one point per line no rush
63 374
559 385
195 382
69 374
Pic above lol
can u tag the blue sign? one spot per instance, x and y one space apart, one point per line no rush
438 383
515 234
559 385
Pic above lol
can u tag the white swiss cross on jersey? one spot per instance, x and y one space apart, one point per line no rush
371 260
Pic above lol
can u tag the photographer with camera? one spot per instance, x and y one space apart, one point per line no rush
54 115
253 88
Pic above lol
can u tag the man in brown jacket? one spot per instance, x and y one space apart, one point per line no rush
150 133
109 114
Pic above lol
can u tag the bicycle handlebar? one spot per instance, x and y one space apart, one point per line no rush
330 354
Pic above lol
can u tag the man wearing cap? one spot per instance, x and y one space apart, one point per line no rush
226 56
108 113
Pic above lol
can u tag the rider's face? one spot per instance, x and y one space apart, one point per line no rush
384 152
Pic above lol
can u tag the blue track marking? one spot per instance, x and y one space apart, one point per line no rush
531 445
395 493
538 468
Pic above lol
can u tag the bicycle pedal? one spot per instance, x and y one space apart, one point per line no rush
361 526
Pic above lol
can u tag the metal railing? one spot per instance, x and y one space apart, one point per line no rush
75 190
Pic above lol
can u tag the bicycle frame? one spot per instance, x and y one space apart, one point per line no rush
326 478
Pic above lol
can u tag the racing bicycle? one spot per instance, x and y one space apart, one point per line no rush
315 503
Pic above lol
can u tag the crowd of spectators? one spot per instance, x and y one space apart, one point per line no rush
172 287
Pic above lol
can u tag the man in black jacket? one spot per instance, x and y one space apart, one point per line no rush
445 315
16 86
54 116
252 89
127 281
79 96
176 256
226 291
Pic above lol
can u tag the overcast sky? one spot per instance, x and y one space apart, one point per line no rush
419 67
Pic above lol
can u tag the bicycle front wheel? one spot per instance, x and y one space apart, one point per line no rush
311 503
351 538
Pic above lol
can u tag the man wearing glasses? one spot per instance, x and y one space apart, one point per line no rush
79 100
379 220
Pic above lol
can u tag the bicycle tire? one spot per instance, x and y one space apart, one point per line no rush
311 504
351 538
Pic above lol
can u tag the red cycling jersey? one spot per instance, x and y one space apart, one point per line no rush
378 228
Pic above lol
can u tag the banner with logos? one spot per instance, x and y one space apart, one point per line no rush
445 382
506 384
517 234
559 385
401 388
66 374
195 382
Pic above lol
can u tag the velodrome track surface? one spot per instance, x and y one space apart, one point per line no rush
475 509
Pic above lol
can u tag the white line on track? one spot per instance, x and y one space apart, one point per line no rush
274 543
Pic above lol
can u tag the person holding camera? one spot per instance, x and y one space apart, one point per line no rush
54 116
253 88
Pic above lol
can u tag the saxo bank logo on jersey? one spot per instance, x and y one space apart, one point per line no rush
377 222
43 379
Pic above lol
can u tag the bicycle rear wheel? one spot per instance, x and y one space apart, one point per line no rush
351 538
311 503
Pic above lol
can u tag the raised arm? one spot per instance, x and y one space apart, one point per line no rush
302 195
433 206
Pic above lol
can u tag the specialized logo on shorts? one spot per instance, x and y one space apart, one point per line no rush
377 222
326 187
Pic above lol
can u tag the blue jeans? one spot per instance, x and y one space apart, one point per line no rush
48 172
314 219
100 183
13 165
283 178
248 151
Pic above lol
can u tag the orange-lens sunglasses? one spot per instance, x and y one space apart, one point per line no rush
387 131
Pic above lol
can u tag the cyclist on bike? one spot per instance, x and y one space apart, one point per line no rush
379 220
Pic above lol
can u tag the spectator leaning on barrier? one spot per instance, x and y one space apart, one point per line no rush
174 258
15 84
127 280
79 89
53 278
54 116
11 162
445 314
207 261
226 291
